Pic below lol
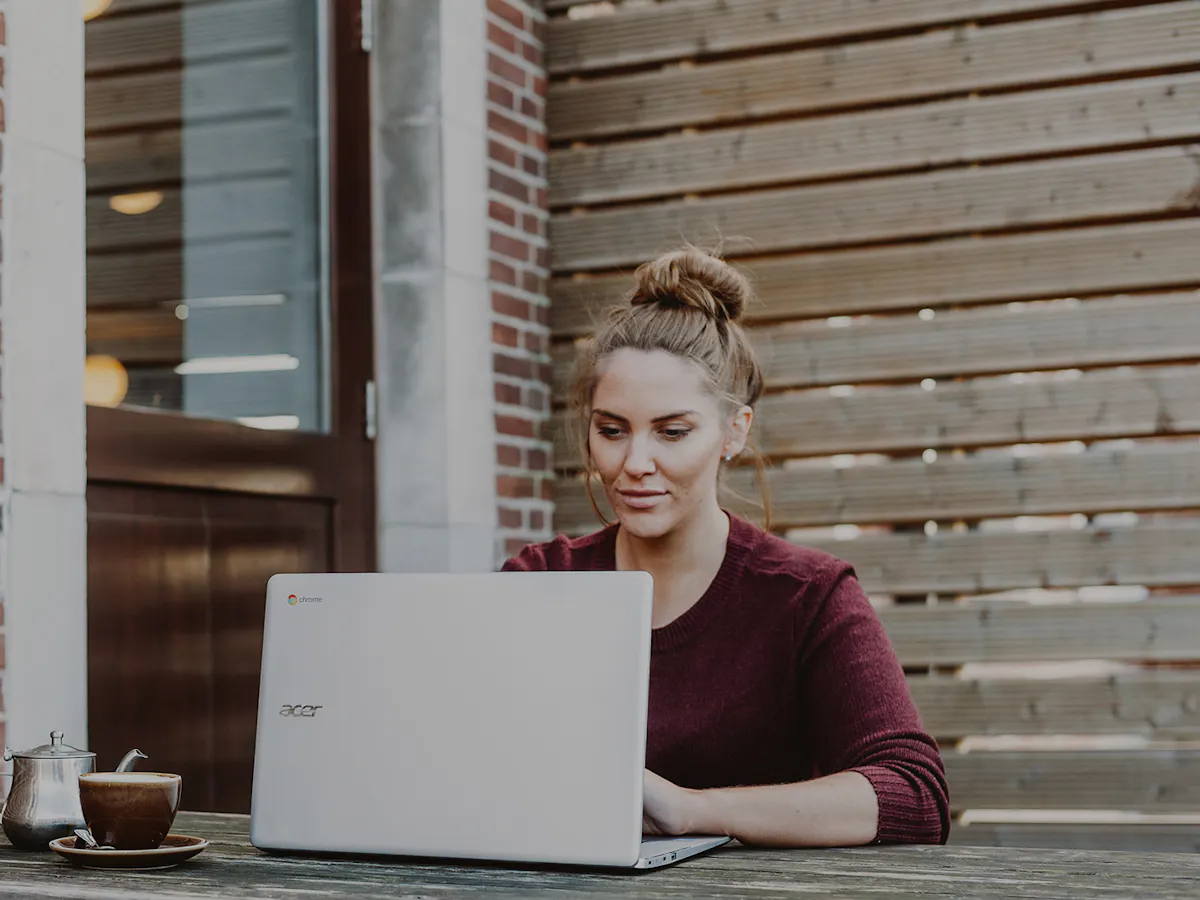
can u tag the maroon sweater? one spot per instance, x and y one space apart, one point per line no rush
780 673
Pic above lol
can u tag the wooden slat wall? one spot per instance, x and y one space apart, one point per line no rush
1026 175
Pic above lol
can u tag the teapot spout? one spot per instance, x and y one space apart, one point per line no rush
130 759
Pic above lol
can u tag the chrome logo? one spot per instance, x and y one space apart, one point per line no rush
293 599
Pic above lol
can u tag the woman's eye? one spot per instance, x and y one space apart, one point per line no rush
608 431
675 434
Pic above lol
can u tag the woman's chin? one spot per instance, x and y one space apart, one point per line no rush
646 524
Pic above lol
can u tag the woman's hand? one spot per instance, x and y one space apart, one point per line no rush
668 809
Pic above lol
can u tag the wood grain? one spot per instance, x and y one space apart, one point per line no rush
950 634
979 562
1147 780
231 868
1161 705
636 35
1137 838
994 485
1047 264
894 208
1116 331
145 336
944 133
929 65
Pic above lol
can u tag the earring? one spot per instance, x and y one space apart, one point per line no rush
728 457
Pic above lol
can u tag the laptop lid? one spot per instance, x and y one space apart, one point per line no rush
486 716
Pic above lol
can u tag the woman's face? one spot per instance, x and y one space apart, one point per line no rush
657 435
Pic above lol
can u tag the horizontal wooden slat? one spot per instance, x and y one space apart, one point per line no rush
210 91
154 158
204 32
136 336
937 63
893 208
1123 330
1146 780
1152 838
248 266
996 485
971 562
1099 404
912 136
950 634
213 211
643 34
957 271
1163 705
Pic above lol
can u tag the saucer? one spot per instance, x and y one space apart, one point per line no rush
174 849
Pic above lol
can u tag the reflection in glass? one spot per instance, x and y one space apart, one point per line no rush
206 282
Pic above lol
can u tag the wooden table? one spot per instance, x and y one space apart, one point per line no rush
230 867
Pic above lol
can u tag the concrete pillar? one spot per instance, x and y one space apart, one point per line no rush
433 351
42 316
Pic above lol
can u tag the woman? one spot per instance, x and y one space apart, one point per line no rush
778 713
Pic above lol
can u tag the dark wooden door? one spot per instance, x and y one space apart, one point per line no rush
188 516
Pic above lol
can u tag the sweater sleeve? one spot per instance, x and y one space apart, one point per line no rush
861 718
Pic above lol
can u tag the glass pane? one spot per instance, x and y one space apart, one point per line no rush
205 182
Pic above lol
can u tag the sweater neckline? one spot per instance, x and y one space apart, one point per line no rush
675 634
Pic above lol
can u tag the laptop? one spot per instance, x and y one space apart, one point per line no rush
497 717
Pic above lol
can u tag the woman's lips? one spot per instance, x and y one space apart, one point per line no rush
642 499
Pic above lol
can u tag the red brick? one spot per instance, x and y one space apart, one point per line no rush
543 315
508 455
538 460
530 110
514 426
511 366
541 141
501 37
530 223
513 546
537 399
3 31
507 12
533 283
502 96
537 520
532 54
531 165
547 489
511 518
507 393
502 124
534 342
543 198
501 154
545 373
508 305
502 213
513 248
537 27
543 257
507 71
1 651
506 184
498 271
513 486
505 335
1 71
539 86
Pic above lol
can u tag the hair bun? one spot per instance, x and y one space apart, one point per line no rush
693 278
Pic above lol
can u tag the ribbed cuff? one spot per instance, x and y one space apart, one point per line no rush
907 814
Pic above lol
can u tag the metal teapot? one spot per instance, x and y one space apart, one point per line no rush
44 801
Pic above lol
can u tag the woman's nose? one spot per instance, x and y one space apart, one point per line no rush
639 460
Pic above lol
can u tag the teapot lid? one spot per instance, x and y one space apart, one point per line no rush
56 749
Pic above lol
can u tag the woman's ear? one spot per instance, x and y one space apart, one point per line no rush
739 432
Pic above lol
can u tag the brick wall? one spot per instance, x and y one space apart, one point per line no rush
519 262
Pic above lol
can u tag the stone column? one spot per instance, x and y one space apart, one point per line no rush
433 350
42 319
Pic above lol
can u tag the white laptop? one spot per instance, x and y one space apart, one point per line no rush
491 717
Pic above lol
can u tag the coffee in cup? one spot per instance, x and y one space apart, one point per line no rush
129 810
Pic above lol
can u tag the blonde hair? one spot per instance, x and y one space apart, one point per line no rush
690 304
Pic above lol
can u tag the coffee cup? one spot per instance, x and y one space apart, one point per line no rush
129 810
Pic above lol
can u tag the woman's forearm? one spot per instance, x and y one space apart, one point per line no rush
838 810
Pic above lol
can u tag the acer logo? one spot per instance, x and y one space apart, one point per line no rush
298 711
